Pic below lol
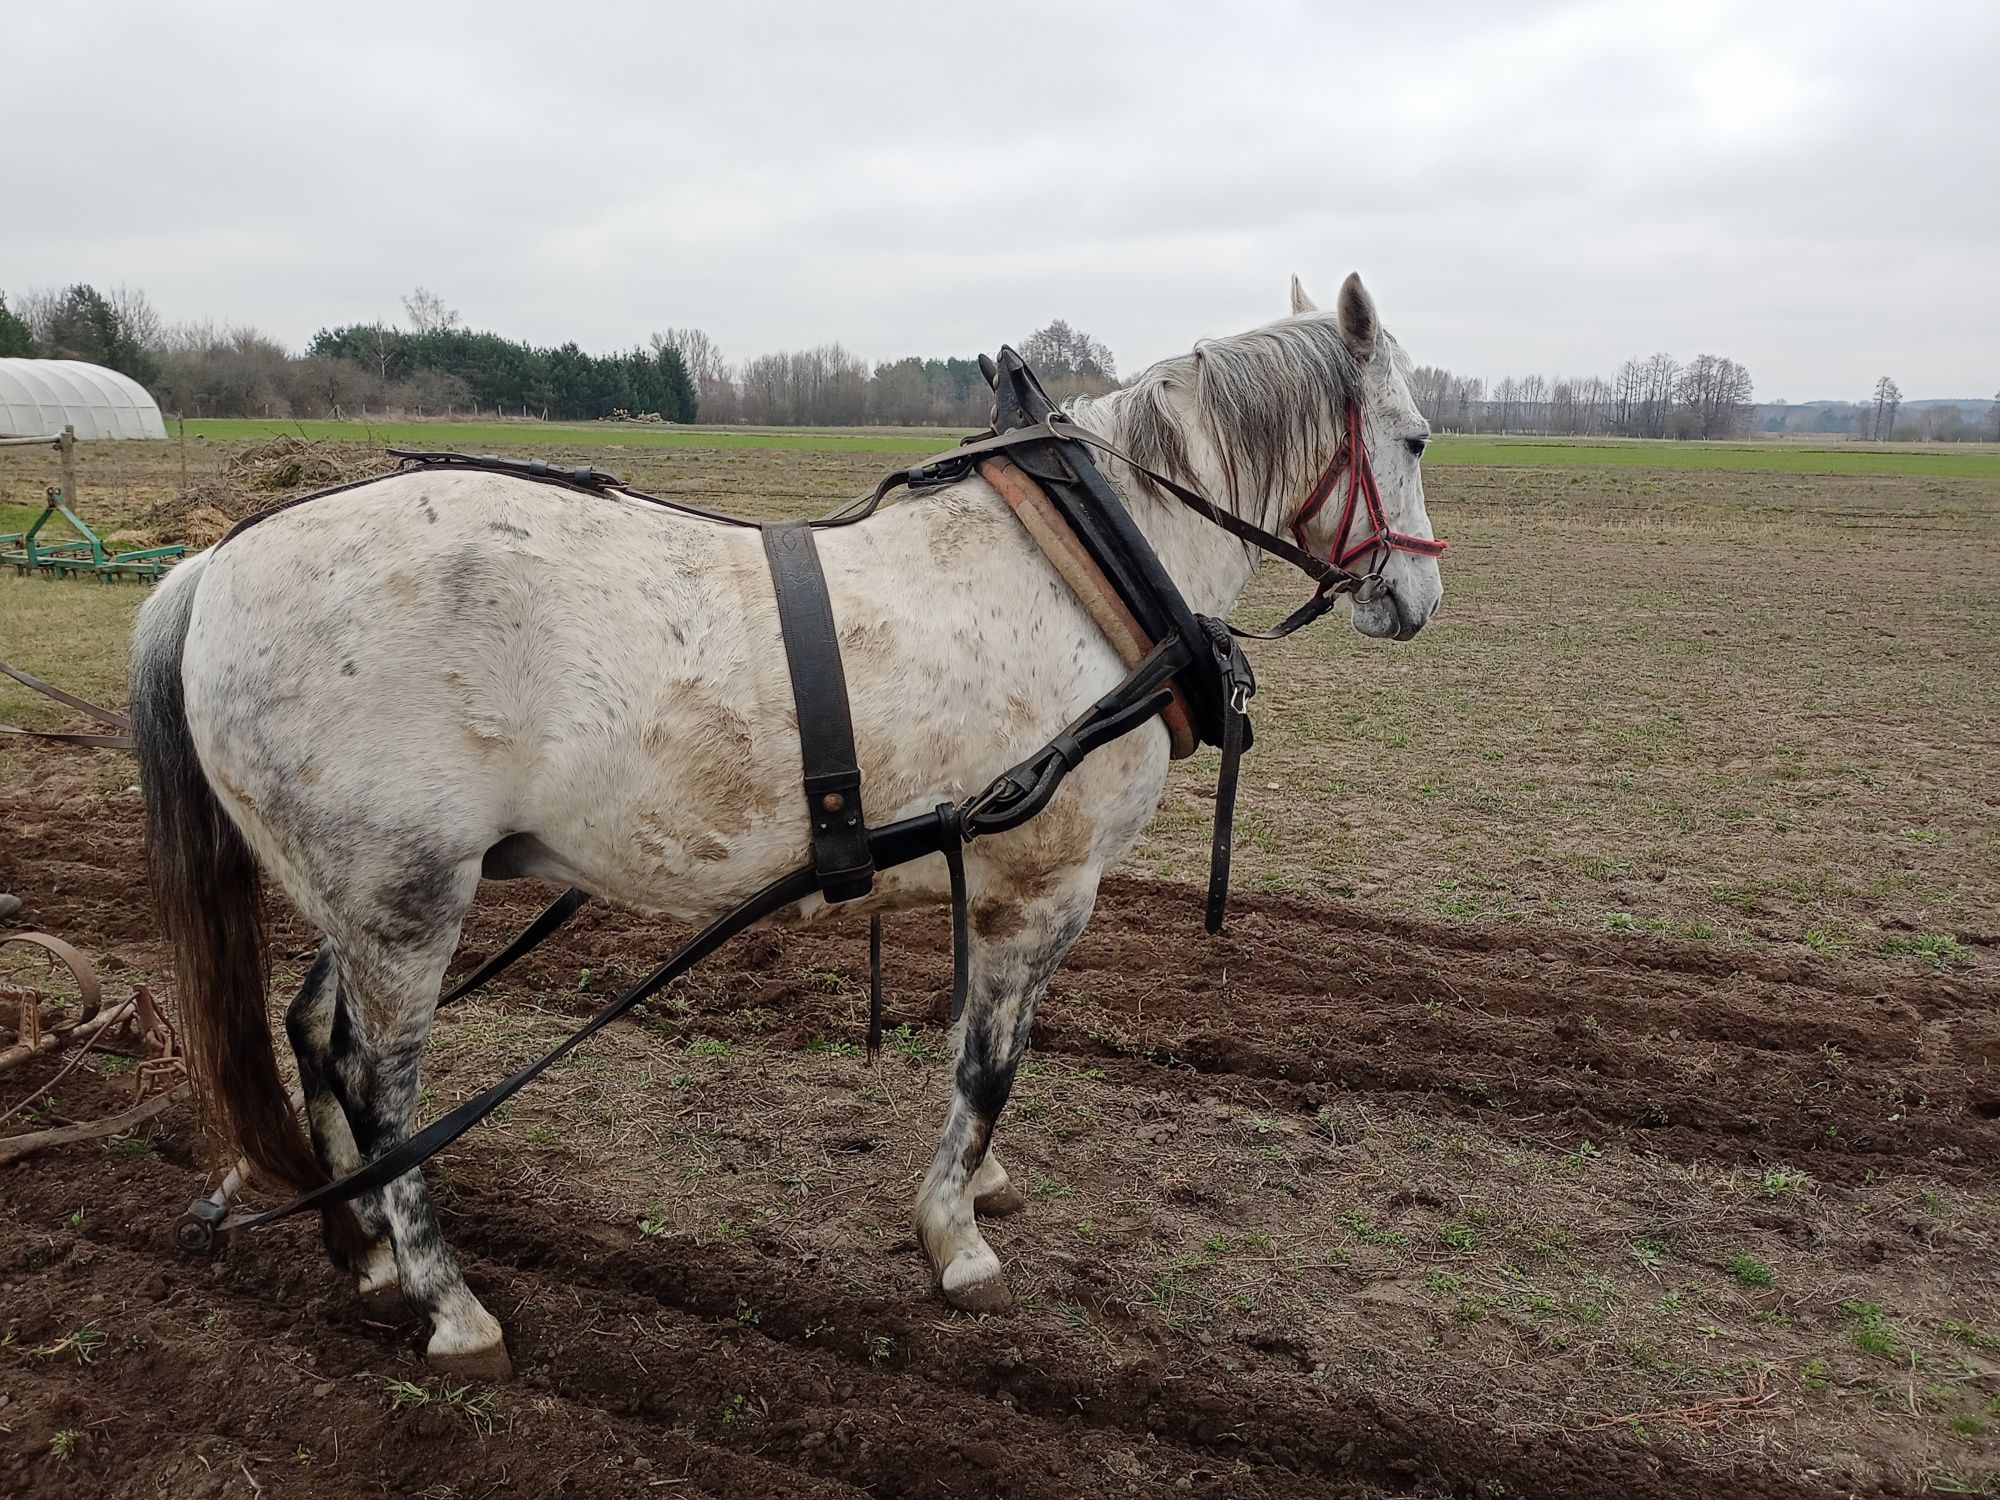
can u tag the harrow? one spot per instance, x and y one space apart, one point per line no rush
85 554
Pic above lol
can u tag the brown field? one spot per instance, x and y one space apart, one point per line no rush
1594 1093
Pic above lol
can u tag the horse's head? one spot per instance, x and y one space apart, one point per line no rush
1394 434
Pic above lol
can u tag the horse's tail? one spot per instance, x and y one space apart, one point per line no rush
211 904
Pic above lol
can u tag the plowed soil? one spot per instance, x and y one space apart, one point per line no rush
1594 1093
1335 1204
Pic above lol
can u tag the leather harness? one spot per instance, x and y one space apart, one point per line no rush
1183 667
842 864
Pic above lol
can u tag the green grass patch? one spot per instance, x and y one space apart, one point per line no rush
1749 1270
1872 1334
1935 948
1975 462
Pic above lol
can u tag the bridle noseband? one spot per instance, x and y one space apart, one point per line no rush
1351 457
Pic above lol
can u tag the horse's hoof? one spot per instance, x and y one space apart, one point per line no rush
1000 1203
976 1284
490 1365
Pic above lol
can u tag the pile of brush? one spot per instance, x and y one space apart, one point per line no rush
200 514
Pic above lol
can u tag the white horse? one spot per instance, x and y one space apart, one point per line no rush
381 696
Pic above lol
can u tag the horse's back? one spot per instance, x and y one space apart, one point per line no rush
479 656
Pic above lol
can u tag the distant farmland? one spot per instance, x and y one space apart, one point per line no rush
1958 461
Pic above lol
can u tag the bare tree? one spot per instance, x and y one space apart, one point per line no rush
1995 414
1060 352
699 353
1712 398
427 312
1430 388
1883 418
143 325
39 307
1657 378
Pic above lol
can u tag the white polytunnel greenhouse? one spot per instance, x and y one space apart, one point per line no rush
40 397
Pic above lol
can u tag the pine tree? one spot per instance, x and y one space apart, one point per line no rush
678 401
16 340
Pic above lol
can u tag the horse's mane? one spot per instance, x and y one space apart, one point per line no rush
1270 399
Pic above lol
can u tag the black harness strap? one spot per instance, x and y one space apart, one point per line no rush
530 937
841 860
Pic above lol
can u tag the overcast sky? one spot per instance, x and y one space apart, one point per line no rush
1812 189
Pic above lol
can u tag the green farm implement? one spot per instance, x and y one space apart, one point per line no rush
83 555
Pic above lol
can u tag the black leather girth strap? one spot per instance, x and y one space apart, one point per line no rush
826 732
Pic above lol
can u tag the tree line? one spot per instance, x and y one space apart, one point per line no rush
1655 397
432 365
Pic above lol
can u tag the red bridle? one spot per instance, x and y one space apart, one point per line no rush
1352 456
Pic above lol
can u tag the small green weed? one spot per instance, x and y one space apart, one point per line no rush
1370 1233
1749 1270
1781 1182
82 1342
480 1410
826 1048
1967 1333
1872 1333
1939 950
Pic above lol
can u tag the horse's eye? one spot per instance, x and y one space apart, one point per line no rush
1416 445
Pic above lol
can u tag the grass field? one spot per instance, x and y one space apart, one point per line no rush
1963 460
1967 461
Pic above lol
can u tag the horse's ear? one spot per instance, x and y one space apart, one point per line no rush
1356 311
1301 303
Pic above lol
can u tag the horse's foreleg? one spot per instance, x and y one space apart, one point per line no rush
309 1026
1008 977
388 996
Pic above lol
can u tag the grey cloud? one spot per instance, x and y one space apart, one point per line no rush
1809 188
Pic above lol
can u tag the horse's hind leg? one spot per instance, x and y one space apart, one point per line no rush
390 974
1008 977
994 1195
309 1026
